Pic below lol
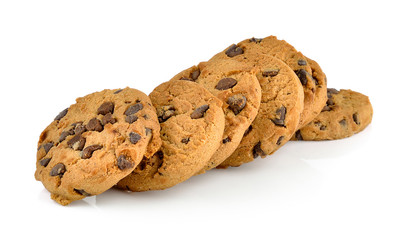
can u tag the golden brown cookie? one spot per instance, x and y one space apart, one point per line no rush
314 87
96 142
192 125
346 113
236 85
282 102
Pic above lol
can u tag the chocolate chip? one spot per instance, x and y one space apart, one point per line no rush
118 91
187 79
270 72
108 118
194 75
248 130
355 118
302 62
199 112
326 108
148 131
44 162
165 113
58 170
257 151
107 107
280 139
298 135
133 109
79 128
88 151
331 91
94 125
134 137
302 75
61 114
255 40
315 80
236 103
131 118
63 135
82 192
185 140
320 125
233 51
226 140
280 116
226 83
343 122
77 142
124 162
48 146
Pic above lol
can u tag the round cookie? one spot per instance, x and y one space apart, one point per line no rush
236 85
96 142
192 125
282 102
314 97
346 113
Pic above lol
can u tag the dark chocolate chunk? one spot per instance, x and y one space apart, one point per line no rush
326 108
48 146
118 91
194 75
355 118
185 140
320 125
257 151
280 116
343 122
149 131
236 103
302 75
82 192
107 107
226 140
61 114
298 135
280 139
58 170
77 142
108 118
255 40
133 109
226 83
248 130
165 113
315 80
199 112
302 62
134 137
331 91
124 162
131 118
79 128
94 125
233 51
88 151
270 72
44 162
187 79
63 135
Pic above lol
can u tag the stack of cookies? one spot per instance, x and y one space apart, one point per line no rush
245 102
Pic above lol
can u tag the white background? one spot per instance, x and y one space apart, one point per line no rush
358 188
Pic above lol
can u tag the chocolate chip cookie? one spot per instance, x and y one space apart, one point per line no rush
345 113
282 102
236 85
192 126
96 142
314 87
